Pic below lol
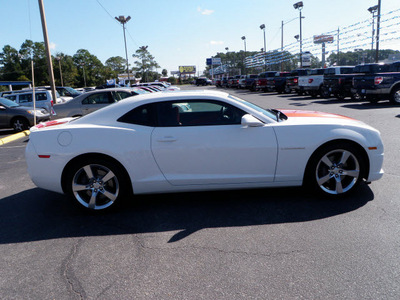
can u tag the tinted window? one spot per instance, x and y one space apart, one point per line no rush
142 115
121 95
100 98
25 98
197 113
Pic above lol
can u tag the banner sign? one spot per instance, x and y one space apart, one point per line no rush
187 69
319 39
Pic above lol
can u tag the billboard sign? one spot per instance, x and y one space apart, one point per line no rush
213 61
319 39
187 69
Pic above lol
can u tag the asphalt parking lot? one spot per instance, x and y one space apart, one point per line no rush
248 244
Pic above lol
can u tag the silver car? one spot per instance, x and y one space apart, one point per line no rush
13 115
91 101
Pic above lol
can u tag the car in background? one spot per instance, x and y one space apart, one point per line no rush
250 80
242 82
13 115
203 81
64 91
24 97
92 101
292 81
146 144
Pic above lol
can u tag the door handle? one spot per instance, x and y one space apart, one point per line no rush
167 139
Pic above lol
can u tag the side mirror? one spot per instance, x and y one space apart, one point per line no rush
250 121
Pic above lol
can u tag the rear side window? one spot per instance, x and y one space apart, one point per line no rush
25 98
143 115
41 96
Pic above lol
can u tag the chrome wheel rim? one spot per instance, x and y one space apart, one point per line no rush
396 96
337 171
95 186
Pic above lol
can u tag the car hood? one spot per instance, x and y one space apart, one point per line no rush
317 117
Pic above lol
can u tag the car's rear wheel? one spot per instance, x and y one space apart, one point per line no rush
96 184
336 169
20 124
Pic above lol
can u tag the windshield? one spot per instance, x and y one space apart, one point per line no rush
72 91
8 103
270 113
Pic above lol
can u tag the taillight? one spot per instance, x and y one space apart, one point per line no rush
274 81
295 80
52 103
310 80
378 80
340 80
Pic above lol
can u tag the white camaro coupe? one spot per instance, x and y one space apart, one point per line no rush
193 141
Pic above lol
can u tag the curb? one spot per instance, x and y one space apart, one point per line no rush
14 137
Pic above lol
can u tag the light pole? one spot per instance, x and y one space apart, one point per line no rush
244 64
123 21
378 27
373 10
262 27
299 6
227 67
58 58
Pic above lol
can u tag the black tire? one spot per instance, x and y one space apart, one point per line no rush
395 96
19 124
340 95
325 93
357 97
335 169
96 183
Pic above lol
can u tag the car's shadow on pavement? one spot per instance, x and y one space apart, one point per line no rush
36 214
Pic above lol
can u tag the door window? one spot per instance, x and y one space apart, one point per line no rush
100 98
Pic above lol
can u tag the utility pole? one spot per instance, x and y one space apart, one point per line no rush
48 55
377 32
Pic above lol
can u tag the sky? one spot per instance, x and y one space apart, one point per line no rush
182 32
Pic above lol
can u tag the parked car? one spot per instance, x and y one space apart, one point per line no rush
64 91
133 146
92 101
13 115
260 84
338 81
378 82
292 81
250 80
235 81
312 82
242 81
43 98
203 81
278 83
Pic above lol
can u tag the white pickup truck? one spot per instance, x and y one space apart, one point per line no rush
312 82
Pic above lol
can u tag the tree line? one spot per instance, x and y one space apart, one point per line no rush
78 69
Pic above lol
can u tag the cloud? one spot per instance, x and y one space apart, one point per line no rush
216 42
52 46
206 12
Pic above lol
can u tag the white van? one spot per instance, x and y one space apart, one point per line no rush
24 98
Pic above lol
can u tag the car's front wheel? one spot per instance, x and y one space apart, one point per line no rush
20 124
96 183
395 96
336 169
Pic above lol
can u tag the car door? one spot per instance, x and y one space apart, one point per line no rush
4 117
206 144
96 101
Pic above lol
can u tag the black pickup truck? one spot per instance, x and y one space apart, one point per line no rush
292 81
338 81
278 83
382 82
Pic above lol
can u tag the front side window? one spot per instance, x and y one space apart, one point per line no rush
119 95
197 113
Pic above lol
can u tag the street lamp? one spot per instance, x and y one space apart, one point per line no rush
262 27
123 21
58 58
299 6
244 40
373 10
